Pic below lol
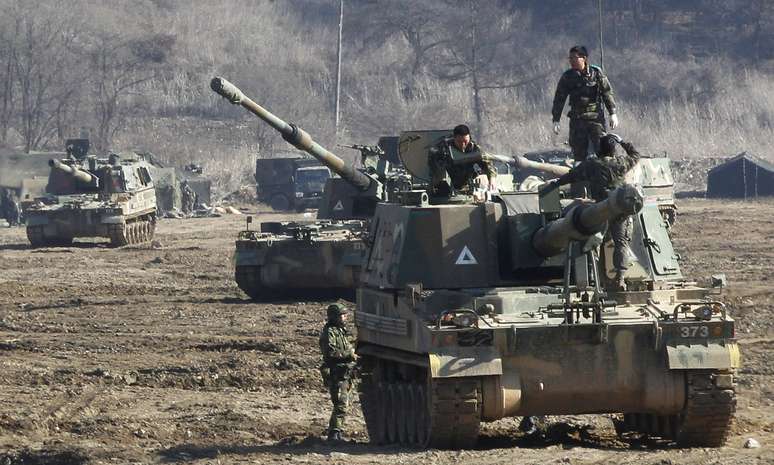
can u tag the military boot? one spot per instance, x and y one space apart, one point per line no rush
334 435
619 283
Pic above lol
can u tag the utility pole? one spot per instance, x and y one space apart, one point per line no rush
338 70
601 44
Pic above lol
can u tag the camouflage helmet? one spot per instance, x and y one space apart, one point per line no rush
336 310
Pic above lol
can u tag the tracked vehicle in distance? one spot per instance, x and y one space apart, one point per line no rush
470 312
91 197
321 257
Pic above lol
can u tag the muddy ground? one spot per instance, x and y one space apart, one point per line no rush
153 355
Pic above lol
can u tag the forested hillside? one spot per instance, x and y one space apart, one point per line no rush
692 78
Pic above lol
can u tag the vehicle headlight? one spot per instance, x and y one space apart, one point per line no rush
703 313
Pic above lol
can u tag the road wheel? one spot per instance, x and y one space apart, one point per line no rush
35 236
280 202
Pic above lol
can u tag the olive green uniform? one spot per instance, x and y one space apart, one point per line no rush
188 199
338 362
461 167
587 90
605 174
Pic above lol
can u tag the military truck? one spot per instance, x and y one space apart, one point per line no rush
471 311
93 197
290 183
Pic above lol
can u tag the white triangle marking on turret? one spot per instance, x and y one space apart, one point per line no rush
466 257
338 206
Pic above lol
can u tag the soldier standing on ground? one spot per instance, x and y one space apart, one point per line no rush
338 362
9 207
188 197
588 88
462 160
605 173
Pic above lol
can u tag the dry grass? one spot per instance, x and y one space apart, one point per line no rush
284 58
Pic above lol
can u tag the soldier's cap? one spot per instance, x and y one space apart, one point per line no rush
607 145
579 50
336 309
461 130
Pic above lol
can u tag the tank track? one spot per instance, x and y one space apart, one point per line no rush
248 278
135 232
38 239
421 412
706 418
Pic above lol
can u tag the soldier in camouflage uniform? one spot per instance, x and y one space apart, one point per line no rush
605 173
9 207
587 87
188 199
338 362
460 175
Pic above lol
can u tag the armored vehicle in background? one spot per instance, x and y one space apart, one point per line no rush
290 183
318 257
91 197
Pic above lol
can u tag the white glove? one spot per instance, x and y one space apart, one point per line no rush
613 121
556 127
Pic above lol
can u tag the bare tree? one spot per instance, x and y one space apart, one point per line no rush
418 23
478 49
45 67
119 65
8 30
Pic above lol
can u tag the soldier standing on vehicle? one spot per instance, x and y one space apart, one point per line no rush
463 161
338 363
588 88
188 197
605 173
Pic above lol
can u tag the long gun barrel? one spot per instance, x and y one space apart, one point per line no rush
293 134
524 163
584 220
80 175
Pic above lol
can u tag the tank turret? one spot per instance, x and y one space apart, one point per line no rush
79 174
298 138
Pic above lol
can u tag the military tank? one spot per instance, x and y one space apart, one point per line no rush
471 312
93 197
321 257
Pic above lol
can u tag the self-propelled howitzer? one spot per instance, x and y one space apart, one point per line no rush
472 312
310 258
94 197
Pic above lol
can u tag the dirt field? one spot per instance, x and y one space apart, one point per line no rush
153 355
